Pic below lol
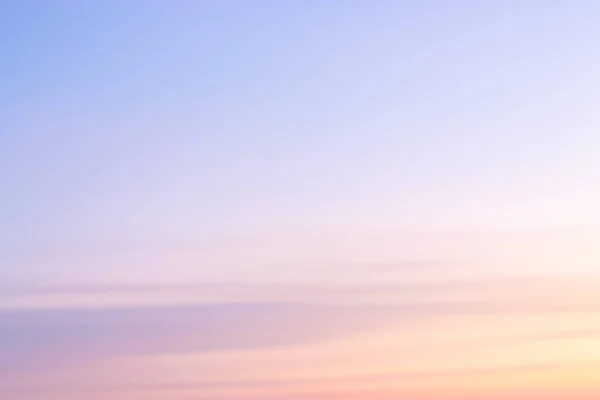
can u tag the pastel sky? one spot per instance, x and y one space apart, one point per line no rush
294 200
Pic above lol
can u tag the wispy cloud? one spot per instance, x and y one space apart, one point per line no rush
501 370
39 338
36 337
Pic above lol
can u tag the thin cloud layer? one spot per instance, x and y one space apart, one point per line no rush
39 338
35 338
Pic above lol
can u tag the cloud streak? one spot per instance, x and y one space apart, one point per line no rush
38 338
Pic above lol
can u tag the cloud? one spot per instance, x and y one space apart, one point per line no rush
549 287
409 377
31 339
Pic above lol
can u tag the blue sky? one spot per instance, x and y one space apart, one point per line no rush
155 121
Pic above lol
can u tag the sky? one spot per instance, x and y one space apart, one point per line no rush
293 200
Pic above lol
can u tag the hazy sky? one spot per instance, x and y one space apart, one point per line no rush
354 164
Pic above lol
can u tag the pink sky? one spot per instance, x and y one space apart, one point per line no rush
299 200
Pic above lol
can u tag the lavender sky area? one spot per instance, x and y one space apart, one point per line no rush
293 200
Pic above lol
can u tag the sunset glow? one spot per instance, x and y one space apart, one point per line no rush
299 200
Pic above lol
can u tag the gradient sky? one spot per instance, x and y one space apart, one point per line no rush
273 200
